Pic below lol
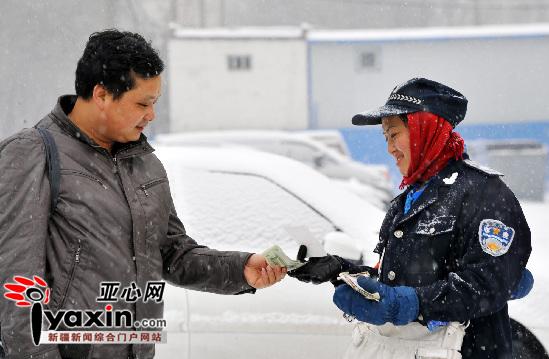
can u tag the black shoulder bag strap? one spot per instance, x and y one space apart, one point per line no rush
52 165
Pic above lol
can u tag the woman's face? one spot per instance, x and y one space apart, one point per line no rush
397 137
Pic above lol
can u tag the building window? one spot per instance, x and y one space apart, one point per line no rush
239 62
368 60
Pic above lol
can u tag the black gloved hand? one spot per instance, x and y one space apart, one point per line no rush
322 269
319 269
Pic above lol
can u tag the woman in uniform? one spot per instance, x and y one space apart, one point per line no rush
453 246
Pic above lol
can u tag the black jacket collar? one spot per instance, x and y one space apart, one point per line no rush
430 195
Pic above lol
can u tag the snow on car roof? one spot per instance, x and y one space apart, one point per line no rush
355 216
244 136
175 138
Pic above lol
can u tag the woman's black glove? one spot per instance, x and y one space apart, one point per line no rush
322 269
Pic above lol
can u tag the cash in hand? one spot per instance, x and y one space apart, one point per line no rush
351 280
275 256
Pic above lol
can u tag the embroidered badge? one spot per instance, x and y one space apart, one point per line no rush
495 237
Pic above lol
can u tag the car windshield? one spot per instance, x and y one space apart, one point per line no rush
241 211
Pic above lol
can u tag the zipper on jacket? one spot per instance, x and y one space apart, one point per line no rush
115 164
71 276
3 341
150 184
121 184
90 177
77 254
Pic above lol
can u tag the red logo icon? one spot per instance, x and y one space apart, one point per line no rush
27 291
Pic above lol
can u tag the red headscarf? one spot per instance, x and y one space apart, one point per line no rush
432 145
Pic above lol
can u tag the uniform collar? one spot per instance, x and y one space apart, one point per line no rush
64 106
430 194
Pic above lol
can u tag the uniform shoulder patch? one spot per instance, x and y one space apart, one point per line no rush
481 168
495 237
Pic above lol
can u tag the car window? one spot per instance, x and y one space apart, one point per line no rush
301 152
236 211
329 160
337 147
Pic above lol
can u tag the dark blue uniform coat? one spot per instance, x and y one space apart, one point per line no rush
463 246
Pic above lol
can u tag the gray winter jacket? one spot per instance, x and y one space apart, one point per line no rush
114 221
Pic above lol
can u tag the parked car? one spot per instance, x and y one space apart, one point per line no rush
298 146
331 138
240 199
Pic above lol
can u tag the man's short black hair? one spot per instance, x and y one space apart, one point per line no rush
113 58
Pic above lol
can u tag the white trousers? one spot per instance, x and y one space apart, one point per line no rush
409 341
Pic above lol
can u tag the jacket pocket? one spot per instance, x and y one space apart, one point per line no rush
84 175
436 225
155 202
148 185
426 257
76 253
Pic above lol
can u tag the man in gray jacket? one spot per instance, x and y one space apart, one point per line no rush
114 220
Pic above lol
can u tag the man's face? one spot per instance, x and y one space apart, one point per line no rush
397 137
125 118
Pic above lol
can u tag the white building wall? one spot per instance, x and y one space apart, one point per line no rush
206 95
358 14
503 78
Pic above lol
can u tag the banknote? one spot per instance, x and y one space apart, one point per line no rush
351 280
275 256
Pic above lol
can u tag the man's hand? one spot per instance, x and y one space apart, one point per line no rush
259 274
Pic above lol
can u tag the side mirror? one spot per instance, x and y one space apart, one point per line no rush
343 245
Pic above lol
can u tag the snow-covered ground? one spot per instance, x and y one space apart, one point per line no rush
533 311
